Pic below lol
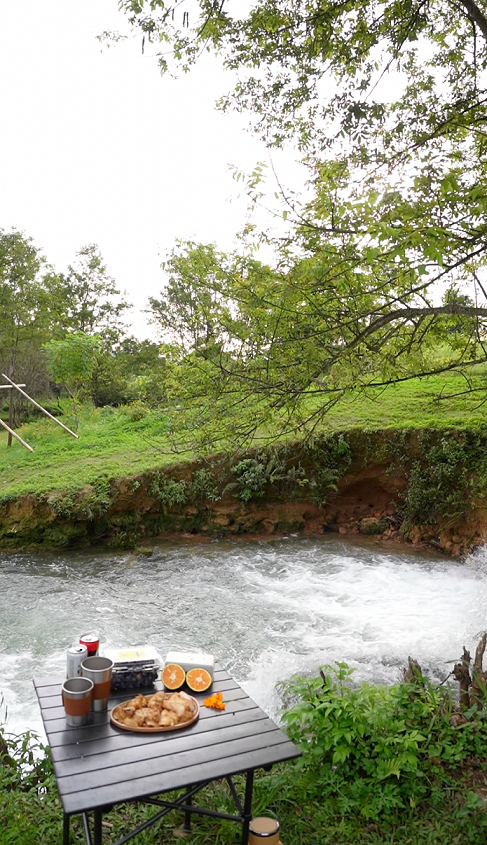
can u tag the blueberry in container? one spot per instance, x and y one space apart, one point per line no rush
134 668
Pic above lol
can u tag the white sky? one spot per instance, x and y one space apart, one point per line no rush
96 147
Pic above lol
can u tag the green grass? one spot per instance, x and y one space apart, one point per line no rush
31 812
111 444
119 442
436 402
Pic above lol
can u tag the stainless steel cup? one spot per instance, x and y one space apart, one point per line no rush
77 694
98 670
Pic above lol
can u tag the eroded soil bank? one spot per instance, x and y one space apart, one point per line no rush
421 487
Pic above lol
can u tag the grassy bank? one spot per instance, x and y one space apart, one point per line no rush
118 442
398 765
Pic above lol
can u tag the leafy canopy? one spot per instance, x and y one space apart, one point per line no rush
73 359
380 277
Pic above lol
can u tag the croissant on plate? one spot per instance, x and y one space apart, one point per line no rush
161 710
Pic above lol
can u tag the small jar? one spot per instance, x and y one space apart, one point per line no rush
263 831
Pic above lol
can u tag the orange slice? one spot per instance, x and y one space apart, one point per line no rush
198 680
173 676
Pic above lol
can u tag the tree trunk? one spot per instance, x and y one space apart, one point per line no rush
461 672
479 680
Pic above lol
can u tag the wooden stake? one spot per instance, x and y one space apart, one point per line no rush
10 415
39 406
11 432
11 371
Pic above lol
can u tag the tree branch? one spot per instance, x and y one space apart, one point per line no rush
450 309
476 15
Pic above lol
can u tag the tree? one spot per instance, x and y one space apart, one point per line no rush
29 308
73 360
94 304
191 309
388 101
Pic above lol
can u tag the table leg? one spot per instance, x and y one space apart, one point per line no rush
97 826
247 810
65 829
187 816
86 827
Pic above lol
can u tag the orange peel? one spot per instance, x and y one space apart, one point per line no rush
215 701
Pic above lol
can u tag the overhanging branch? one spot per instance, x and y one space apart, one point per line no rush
476 15
452 309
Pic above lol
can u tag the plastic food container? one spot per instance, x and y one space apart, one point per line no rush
192 660
135 667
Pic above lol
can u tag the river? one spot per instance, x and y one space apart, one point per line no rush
266 609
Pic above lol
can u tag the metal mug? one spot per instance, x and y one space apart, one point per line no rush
263 831
99 670
77 694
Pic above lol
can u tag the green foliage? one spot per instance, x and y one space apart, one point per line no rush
108 384
251 479
41 308
168 490
30 311
73 359
89 503
143 367
314 801
377 277
192 306
331 457
351 47
444 482
93 304
30 809
203 487
379 752
267 469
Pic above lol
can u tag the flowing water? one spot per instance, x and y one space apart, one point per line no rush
266 610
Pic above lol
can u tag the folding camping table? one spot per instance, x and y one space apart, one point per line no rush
98 766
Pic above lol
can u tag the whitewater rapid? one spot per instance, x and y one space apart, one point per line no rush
267 610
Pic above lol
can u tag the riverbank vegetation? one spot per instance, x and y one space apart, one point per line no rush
395 764
123 481
127 477
120 441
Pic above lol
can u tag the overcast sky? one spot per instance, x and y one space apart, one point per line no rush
96 147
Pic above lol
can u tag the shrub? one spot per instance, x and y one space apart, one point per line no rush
442 485
330 457
30 809
169 491
379 751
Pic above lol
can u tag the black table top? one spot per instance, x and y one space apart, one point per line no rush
99 764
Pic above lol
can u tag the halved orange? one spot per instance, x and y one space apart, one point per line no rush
198 680
173 676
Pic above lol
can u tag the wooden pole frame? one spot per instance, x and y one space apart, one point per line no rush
12 432
39 406
10 411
